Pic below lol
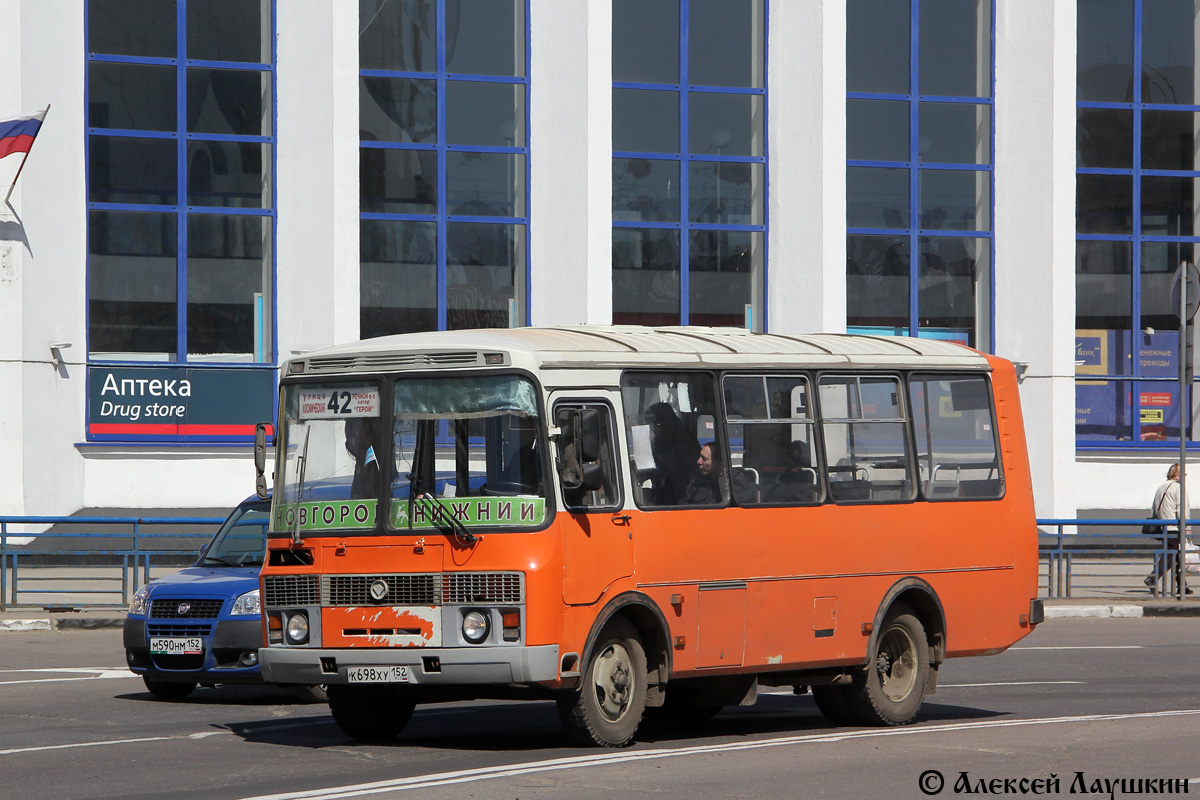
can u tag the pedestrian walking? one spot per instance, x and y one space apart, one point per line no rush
1166 507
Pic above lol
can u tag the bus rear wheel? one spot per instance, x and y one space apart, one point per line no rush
370 713
893 687
834 703
607 709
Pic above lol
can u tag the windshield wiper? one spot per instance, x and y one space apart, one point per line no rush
296 540
460 530
218 560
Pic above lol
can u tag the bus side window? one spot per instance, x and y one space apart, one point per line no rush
607 496
956 437
771 439
864 431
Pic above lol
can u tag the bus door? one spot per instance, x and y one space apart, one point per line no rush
597 540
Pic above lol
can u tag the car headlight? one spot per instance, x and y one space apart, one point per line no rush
297 629
247 604
475 626
140 602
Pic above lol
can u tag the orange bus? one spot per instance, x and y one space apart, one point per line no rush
631 519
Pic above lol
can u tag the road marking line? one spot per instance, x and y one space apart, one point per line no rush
1009 683
1086 647
606 759
84 744
104 674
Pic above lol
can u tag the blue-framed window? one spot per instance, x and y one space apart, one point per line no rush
919 149
689 162
444 164
181 181
1138 114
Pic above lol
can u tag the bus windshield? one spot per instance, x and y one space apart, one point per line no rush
462 449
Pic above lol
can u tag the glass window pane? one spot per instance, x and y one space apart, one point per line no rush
646 264
398 277
1169 51
132 269
1104 204
881 28
1168 206
1104 138
726 43
397 110
485 114
231 174
485 269
123 170
955 133
953 285
397 35
955 438
398 181
229 30
724 275
1159 262
877 283
876 197
1105 50
645 190
132 27
674 413
132 96
955 200
725 124
1103 308
1169 139
876 130
485 37
229 262
645 121
485 184
956 55
645 41
726 193
229 101
1102 411
867 461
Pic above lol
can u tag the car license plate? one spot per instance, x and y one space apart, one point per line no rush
391 674
177 645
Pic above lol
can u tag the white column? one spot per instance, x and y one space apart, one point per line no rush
318 203
1035 233
806 81
570 138
11 264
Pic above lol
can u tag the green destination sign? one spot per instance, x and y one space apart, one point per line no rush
470 511
325 516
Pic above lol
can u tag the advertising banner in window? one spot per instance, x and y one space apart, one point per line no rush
185 403
1105 409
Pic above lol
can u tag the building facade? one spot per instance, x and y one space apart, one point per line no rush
220 184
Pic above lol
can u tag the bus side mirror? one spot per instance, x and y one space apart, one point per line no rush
591 477
260 460
587 435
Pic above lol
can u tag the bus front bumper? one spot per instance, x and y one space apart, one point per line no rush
449 666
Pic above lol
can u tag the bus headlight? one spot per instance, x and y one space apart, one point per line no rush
246 604
297 629
475 626
140 602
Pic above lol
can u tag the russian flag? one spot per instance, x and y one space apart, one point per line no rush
16 135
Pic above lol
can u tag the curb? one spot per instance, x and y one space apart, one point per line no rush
60 624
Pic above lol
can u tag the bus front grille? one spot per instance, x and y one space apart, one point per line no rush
291 590
423 589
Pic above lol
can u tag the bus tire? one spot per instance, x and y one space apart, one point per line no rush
834 704
370 713
893 687
607 709
168 690
682 705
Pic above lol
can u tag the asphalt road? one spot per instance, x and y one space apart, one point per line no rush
1078 703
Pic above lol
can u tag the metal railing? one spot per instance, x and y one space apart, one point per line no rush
1107 563
93 568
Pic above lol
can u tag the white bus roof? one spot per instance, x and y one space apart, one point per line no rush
609 346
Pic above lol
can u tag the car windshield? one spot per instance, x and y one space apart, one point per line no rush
241 541
462 449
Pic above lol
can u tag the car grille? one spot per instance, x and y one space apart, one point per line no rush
178 629
169 608
291 590
420 589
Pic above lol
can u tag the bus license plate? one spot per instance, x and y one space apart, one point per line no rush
391 674
177 645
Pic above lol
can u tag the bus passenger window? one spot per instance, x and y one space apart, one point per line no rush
956 437
666 414
771 440
863 427
569 467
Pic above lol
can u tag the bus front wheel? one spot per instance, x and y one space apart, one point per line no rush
893 687
370 713
608 707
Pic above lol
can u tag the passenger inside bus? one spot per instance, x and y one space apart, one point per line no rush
675 449
361 438
711 481
798 483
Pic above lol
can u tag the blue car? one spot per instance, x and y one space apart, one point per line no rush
203 624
